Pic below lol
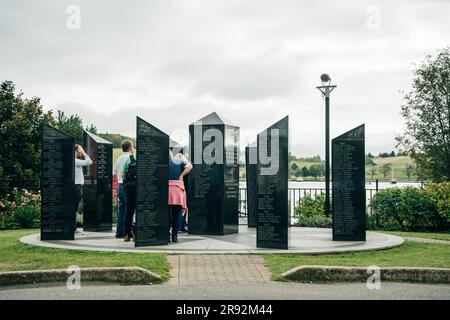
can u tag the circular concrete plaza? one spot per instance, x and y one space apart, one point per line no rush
301 240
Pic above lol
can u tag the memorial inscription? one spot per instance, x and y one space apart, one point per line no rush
348 186
272 187
57 185
213 194
97 196
152 211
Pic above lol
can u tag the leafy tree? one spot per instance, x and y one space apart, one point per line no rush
373 170
305 172
315 170
385 169
409 169
294 166
73 125
426 111
419 170
311 159
369 161
295 170
21 120
91 128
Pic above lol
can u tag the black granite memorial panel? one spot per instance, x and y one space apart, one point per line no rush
57 185
231 181
272 187
213 194
251 176
348 186
152 210
97 195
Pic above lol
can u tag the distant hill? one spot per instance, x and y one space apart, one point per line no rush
396 165
383 168
398 170
116 139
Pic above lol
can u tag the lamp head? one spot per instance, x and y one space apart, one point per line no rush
325 78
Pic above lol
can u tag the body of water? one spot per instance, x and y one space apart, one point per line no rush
293 184
299 189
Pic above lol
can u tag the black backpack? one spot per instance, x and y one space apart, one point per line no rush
131 174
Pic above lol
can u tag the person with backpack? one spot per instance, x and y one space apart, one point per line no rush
127 146
129 174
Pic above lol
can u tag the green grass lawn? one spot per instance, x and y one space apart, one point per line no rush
410 254
15 256
427 235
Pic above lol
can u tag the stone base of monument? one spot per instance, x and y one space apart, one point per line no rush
301 240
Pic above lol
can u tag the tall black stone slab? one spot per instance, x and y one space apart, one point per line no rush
272 188
213 194
57 185
348 186
97 191
152 210
251 177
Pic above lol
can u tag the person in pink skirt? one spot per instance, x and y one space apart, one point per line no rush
179 167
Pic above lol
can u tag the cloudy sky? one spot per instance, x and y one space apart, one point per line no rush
172 62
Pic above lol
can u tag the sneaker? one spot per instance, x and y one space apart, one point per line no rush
118 236
126 239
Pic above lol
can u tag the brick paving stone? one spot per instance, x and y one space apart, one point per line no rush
216 268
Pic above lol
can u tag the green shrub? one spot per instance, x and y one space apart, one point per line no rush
315 222
20 209
403 209
27 217
309 206
311 212
439 193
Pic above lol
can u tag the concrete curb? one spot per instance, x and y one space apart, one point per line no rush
125 276
360 274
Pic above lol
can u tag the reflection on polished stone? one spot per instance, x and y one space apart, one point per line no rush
251 176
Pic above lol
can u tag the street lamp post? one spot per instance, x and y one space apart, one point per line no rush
326 88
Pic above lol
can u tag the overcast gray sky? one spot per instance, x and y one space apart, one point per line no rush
172 62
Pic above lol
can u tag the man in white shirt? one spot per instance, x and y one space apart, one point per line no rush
127 150
79 177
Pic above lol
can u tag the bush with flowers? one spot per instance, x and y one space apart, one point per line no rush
20 209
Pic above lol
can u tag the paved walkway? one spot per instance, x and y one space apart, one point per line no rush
301 240
201 268
235 291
